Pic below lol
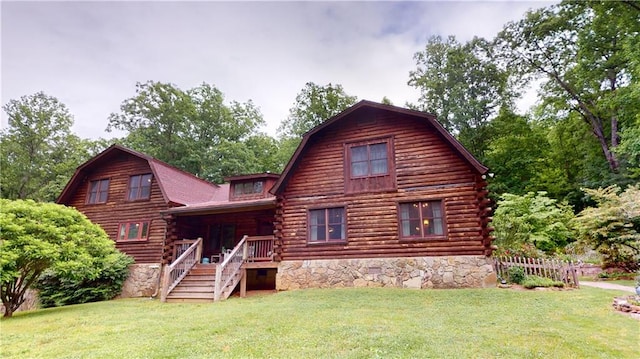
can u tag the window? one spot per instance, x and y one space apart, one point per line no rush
421 219
98 191
133 231
139 187
369 160
369 166
247 188
327 225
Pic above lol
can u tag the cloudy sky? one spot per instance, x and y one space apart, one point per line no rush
91 54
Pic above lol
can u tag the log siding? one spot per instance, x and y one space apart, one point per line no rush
119 210
426 169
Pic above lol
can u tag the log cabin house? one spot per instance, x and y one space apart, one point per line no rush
376 196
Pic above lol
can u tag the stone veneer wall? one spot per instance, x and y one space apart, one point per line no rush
414 272
142 280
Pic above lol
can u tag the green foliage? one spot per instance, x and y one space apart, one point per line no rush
55 290
195 130
517 154
532 218
39 152
463 86
527 250
314 104
613 226
516 274
534 281
586 52
36 237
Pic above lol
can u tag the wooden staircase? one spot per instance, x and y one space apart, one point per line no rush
197 286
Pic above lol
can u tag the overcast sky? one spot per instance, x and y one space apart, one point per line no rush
91 54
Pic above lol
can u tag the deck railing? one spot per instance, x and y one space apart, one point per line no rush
259 248
228 273
179 269
549 268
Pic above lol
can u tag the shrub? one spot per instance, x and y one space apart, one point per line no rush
516 274
613 227
533 281
37 238
533 219
57 290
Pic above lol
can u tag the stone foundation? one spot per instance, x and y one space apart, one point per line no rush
414 272
142 280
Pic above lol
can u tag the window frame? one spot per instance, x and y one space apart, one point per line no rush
98 191
243 184
139 187
327 224
371 182
123 237
422 236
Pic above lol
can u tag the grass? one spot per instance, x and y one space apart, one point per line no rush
336 323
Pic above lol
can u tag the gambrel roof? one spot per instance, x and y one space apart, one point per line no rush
178 187
363 107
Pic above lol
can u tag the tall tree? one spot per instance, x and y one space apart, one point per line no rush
39 151
584 52
314 104
463 86
193 130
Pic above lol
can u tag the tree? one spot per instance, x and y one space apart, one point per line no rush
193 130
517 154
36 237
613 227
463 86
39 152
534 219
584 51
314 104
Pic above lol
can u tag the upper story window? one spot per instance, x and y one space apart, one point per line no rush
139 187
421 219
327 225
369 166
248 188
369 160
98 191
133 231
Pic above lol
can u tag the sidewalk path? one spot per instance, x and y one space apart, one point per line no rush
605 285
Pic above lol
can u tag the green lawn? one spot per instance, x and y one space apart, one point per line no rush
335 323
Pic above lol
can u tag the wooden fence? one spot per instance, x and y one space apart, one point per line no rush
549 268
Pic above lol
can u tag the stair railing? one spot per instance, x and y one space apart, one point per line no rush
179 269
228 273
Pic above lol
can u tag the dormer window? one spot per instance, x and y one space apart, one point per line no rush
249 188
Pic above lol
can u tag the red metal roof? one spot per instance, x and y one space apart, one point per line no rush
177 186
364 105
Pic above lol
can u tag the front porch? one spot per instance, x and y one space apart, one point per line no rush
190 277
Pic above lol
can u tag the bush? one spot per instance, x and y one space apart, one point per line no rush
516 274
533 219
56 290
38 238
533 281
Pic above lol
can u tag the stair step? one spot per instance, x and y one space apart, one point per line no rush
192 278
190 295
190 288
189 300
